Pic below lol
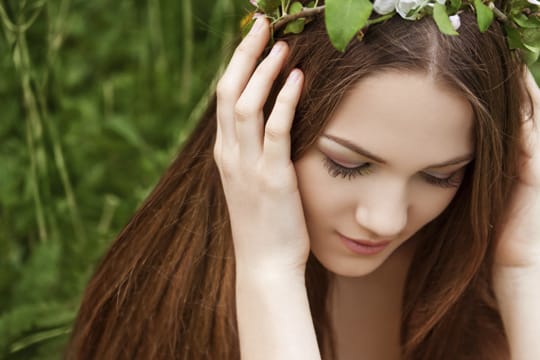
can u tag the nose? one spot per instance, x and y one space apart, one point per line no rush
383 211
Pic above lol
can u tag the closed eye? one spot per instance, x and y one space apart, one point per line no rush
335 169
452 181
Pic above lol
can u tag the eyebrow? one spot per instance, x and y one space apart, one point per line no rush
359 150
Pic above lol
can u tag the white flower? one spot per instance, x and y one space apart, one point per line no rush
403 7
442 2
534 2
383 7
456 21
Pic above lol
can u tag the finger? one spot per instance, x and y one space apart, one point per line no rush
532 86
531 127
277 138
236 76
249 108
534 92
218 146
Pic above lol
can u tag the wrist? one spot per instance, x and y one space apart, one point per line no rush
511 281
515 276
270 274
518 295
273 313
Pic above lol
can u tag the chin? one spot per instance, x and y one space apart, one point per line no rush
349 266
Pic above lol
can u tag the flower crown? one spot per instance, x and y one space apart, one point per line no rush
346 19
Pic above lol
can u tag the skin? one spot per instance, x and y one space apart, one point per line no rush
390 200
268 225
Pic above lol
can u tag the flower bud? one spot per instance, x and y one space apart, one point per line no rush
404 7
456 21
383 7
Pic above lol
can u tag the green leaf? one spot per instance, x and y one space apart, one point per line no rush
528 22
531 57
296 26
344 18
295 8
514 38
268 5
531 41
484 15
441 19
455 5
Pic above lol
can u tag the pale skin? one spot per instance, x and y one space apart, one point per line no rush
270 199
383 191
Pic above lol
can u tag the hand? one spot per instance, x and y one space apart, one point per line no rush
258 177
519 242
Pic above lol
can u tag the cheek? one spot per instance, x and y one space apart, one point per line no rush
428 204
311 185
322 195
318 198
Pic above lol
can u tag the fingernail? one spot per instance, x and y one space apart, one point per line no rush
294 76
276 49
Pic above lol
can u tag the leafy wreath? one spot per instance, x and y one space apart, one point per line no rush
346 19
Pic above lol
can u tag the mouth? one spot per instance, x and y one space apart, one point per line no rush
363 247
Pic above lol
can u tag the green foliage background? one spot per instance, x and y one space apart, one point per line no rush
95 99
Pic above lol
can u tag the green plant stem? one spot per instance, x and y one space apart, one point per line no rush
9 27
39 337
499 14
34 101
156 37
60 163
34 130
227 36
187 60
55 39
380 19
306 12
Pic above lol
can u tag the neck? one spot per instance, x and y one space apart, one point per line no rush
366 311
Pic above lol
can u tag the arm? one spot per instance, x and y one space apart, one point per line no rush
517 264
274 319
271 242
518 294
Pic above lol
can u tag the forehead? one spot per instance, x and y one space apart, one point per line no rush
405 114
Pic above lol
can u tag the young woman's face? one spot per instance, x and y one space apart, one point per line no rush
390 160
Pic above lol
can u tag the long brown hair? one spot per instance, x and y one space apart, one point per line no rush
165 289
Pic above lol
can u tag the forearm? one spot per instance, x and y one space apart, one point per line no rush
274 318
518 294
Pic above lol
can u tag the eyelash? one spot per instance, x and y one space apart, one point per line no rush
335 170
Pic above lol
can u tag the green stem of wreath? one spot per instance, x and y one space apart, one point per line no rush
499 14
380 18
306 12
309 12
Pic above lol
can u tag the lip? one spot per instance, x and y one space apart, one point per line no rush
363 247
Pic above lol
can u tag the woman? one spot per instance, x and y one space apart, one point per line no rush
392 219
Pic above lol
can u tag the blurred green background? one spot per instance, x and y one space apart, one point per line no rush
95 99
